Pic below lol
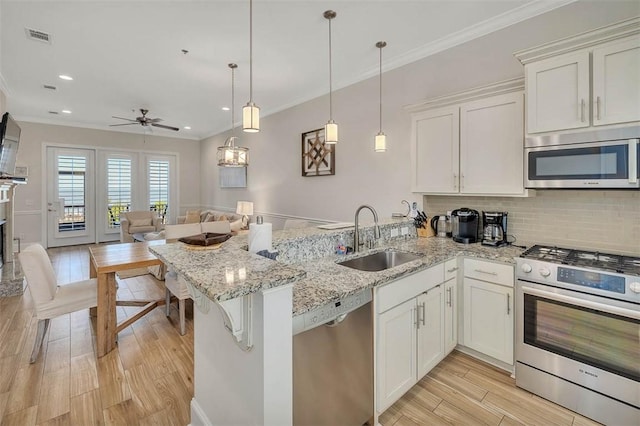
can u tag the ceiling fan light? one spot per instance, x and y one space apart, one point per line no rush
331 133
380 144
251 118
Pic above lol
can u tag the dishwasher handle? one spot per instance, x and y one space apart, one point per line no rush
335 322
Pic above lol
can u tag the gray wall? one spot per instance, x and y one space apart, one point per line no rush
29 200
362 176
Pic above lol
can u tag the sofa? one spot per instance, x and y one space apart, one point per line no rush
200 216
140 221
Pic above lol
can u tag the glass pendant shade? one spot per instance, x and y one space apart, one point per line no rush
331 132
230 155
251 118
380 144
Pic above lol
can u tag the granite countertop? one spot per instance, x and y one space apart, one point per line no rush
231 271
327 281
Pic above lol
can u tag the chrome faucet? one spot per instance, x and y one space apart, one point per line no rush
356 234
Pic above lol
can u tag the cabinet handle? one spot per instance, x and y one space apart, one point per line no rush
455 181
486 272
582 110
598 107
449 295
417 323
452 269
508 304
462 181
424 309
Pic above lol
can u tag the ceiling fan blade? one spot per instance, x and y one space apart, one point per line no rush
162 126
154 120
122 118
125 124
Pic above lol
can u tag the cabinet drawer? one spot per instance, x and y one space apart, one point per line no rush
403 289
450 269
489 271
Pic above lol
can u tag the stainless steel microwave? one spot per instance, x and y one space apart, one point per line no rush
589 160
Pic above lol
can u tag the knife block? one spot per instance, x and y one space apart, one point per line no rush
426 232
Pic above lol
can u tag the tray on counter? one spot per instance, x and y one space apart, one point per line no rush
206 239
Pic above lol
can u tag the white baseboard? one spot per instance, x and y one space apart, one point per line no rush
198 417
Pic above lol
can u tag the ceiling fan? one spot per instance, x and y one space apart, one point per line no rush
144 121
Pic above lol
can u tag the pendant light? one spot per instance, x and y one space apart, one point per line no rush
380 143
230 155
331 128
251 112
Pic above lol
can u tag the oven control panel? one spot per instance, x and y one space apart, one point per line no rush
586 280
591 279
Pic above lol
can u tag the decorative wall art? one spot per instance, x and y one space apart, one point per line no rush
232 177
318 158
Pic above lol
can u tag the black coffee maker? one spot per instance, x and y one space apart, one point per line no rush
494 228
464 225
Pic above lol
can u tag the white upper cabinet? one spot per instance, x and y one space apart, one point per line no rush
473 147
435 147
558 93
491 145
616 82
591 79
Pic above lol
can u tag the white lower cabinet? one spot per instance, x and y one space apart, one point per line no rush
430 329
450 305
410 338
488 309
396 354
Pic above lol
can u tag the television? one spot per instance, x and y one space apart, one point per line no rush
10 138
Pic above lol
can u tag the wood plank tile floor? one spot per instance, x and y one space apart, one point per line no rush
148 379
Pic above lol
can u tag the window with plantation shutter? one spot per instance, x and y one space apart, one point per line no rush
158 179
71 188
118 189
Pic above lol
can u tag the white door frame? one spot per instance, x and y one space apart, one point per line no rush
55 238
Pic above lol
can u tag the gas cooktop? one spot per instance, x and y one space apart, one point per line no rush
587 259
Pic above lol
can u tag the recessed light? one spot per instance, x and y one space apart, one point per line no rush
66 111
226 108
65 77
187 127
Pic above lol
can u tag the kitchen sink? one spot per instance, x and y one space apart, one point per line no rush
380 261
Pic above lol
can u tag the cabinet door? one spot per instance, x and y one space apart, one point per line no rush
488 319
492 145
396 353
450 315
616 82
430 307
435 147
558 93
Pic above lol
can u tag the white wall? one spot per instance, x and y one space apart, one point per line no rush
362 176
29 206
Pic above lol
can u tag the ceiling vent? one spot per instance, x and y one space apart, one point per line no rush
49 87
53 112
38 35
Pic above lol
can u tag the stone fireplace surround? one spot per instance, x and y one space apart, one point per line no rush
11 276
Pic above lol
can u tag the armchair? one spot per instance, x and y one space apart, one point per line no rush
139 221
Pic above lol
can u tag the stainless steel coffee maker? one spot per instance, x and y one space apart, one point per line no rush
494 228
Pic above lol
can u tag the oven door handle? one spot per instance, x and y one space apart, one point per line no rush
627 313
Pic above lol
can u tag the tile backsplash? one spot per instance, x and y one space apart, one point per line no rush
607 221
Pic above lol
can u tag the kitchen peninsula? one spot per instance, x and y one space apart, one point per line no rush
245 306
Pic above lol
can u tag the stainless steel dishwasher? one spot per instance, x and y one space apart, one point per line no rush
333 363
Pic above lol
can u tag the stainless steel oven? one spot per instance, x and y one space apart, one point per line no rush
578 331
597 159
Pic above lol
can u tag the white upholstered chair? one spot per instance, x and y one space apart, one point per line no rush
50 299
173 282
138 222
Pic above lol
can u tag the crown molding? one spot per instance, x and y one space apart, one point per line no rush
480 92
580 41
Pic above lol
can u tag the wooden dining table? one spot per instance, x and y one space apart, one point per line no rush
104 262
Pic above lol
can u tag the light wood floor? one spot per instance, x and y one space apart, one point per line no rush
148 379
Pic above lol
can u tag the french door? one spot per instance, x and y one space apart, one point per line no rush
88 189
70 196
